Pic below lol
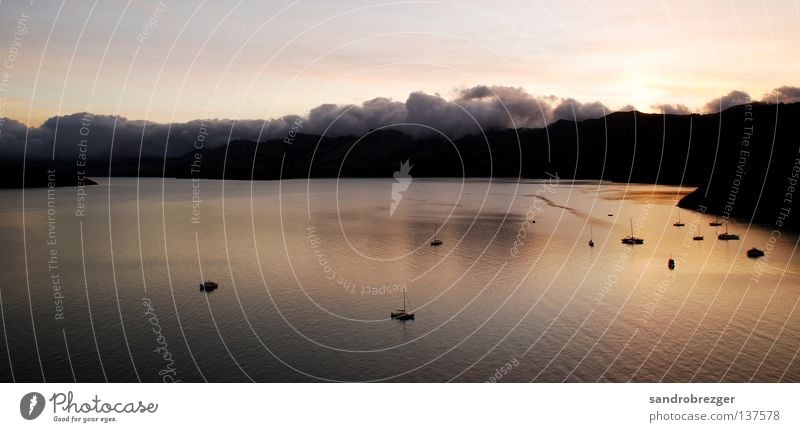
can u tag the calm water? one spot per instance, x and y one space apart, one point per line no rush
309 272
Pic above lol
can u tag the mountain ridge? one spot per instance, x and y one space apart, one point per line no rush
627 146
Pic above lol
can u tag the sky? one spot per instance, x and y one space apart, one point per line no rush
178 60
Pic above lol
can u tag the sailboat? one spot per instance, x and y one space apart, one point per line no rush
715 223
698 236
671 263
726 236
435 242
402 314
631 240
679 223
591 234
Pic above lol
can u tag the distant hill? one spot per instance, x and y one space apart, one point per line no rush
701 150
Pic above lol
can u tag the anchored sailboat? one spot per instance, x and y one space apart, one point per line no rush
403 314
435 242
631 240
591 234
726 236
679 223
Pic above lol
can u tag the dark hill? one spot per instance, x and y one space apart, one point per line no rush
622 147
703 150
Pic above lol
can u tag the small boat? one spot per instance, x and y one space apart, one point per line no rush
715 223
631 240
403 314
208 286
755 253
699 236
726 236
679 223
671 263
435 242
591 232
611 214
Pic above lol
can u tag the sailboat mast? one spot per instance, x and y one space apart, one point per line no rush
631 227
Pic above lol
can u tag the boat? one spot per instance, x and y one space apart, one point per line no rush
435 242
591 232
208 286
679 223
755 253
631 240
611 214
671 263
716 222
726 236
403 314
699 236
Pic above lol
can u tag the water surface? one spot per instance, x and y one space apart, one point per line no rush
310 270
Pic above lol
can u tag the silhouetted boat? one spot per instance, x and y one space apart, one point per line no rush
435 242
679 223
209 286
715 223
671 263
631 240
755 253
591 232
726 236
698 236
403 314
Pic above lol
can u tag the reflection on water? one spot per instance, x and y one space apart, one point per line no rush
309 272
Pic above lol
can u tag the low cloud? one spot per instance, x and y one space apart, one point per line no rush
469 112
570 109
785 94
63 136
672 109
338 120
733 98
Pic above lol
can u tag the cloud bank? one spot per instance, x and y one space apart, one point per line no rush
470 111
